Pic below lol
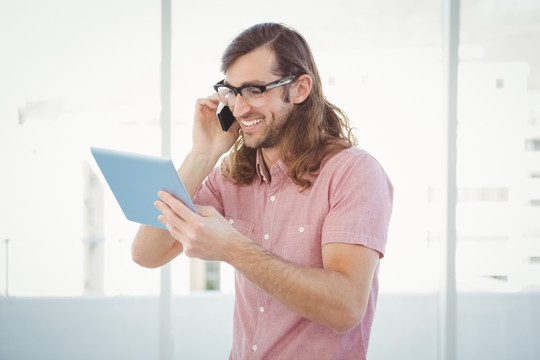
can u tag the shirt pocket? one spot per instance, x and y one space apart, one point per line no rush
244 227
303 245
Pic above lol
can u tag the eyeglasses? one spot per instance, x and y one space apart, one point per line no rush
253 94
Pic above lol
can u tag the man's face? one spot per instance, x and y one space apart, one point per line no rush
261 126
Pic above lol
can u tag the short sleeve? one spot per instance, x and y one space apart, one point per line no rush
209 194
360 197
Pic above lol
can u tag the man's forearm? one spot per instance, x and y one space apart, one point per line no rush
326 296
153 247
194 169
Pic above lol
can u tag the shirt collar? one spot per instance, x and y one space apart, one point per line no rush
279 170
278 174
262 171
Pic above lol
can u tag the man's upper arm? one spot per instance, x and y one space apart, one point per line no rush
356 262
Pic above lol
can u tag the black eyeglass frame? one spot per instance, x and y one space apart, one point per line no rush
274 84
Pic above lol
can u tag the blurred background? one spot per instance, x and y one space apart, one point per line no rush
88 73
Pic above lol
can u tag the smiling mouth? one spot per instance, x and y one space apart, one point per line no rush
251 123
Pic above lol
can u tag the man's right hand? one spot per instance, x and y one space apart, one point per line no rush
208 137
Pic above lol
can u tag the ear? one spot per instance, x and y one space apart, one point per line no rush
302 88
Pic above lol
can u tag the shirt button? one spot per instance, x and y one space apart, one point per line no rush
266 236
254 347
231 221
261 309
301 229
272 198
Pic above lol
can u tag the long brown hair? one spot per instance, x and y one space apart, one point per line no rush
315 128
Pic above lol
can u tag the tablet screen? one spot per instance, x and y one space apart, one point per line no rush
135 180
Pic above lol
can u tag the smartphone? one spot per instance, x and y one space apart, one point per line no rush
225 116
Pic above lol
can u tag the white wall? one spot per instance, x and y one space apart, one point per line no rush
494 326
491 326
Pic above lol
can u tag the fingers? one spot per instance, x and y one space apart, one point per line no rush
210 103
178 207
168 217
172 216
203 234
175 224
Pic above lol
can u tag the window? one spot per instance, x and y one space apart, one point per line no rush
85 75
498 158
98 84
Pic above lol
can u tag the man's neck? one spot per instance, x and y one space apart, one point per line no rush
270 156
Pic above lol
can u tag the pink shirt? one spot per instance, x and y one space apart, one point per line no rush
349 202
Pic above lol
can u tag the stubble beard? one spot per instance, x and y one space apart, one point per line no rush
273 135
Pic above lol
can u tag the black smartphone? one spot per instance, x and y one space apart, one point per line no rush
225 116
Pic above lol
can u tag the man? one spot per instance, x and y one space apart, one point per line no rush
299 211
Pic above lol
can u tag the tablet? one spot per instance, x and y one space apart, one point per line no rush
135 180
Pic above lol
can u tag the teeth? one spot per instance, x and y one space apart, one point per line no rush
252 122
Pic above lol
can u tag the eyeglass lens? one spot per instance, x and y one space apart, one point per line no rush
252 95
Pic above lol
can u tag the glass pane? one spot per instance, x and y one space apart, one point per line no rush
498 157
73 76
383 69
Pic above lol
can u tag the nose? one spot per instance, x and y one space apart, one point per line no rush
241 106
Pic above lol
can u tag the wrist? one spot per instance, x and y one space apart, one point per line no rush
195 169
239 251
203 159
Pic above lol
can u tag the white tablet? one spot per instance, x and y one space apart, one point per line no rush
135 180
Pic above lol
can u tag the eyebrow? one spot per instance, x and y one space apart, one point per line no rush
247 83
